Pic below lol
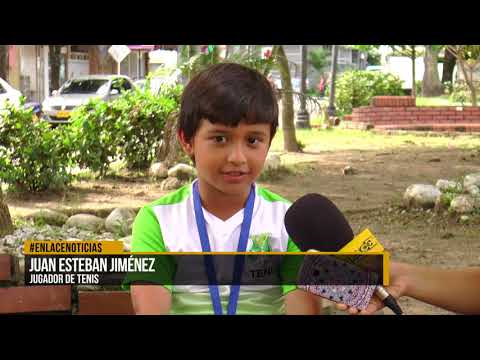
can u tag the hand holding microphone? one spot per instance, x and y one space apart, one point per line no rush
315 223
397 289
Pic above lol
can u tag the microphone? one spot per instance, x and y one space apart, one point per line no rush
315 224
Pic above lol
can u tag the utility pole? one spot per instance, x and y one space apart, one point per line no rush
331 99
303 117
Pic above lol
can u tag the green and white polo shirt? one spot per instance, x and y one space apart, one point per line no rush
168 224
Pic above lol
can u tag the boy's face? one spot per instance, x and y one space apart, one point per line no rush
229 159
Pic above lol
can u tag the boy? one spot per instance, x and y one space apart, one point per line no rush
228 118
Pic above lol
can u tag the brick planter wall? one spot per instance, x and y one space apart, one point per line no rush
400 112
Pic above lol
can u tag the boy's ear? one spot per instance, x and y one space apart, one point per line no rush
187 146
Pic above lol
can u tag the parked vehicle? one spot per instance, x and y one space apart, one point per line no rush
8 93
78 91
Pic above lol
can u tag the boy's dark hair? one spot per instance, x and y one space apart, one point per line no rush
227 93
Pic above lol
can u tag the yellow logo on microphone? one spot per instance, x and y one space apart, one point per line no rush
366 242
363 242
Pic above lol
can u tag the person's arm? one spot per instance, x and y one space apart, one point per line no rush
155 297
299 302
150 299
453 290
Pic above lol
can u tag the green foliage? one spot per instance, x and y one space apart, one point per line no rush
128 128
448 87
318 59
418 86
33 156
406 50
94 127
357 88
373 53
142 122
460 93
263 63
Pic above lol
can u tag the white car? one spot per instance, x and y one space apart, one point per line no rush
8 93
78 91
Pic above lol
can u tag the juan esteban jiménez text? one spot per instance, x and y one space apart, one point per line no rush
96 264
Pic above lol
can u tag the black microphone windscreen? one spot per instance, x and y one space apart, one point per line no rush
315 222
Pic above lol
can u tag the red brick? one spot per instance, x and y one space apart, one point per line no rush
471 118
425 118
6 267
398 113
105 303
450 113
441 119
455 118
34 299
429 113
362 109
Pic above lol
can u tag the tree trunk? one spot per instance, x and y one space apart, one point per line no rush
100 61
55 54
6 226
469 81
94 59
414 85
431 85
448 65
289 138
170 152
4 62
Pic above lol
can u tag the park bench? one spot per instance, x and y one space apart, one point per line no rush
55 299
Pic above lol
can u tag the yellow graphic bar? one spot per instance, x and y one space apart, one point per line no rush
73 247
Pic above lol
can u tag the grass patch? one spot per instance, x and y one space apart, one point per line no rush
318 140
443 100
269 175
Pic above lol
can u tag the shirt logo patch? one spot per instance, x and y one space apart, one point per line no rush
260 242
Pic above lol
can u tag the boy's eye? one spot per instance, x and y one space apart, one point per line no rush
253 141
220 139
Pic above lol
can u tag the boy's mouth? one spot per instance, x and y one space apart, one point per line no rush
234 176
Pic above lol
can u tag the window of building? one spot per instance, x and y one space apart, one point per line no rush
355 56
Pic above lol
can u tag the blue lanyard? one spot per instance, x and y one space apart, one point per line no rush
239 260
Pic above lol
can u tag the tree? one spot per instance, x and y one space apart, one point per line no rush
468 59
318 59
55 60
250 56
4 62
373 54
6 226
412 52
431 85
449 62
290 142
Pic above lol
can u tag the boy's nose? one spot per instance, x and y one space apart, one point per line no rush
236 155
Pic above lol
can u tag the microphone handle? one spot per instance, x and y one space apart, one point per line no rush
388 300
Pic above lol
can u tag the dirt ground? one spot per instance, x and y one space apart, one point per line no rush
370 198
